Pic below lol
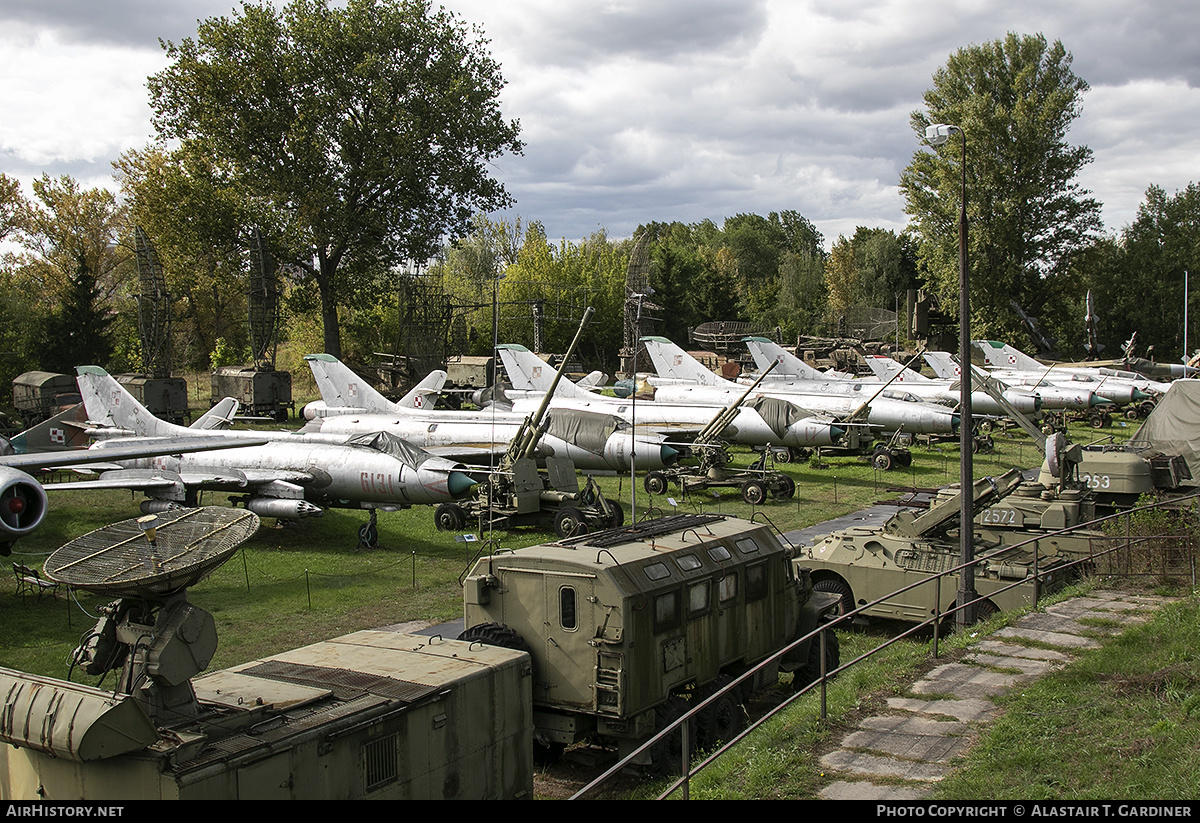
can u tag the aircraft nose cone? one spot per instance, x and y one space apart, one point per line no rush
669 455
1138 394
1097 400
458 483
836 433
955 422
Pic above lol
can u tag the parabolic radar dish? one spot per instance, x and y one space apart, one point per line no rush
154 555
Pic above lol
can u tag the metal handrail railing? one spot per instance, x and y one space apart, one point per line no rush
819 633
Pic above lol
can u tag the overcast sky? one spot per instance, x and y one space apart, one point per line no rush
638 110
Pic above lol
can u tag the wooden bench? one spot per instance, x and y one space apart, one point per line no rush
30 581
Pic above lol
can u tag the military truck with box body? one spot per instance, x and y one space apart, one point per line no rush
628 625
373 715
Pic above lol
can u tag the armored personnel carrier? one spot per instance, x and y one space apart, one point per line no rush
629 625
863 564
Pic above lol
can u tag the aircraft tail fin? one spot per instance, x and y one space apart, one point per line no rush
109 404
339 386
593 381
528 372
424 395
997 355
219 417
943 366
65 430
672 362
885 368
766 352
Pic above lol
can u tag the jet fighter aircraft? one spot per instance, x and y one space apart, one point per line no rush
1014 366
762 421
594 439
23 501
688 381
344 392
289 476
899 380
1054 396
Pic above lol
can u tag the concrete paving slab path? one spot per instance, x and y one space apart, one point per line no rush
901 753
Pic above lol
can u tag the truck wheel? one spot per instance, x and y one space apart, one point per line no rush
449 517
787 488
811 672
666 754
882 461
495 634
569 522
753 492
617 519
655 483
846 604
723 719
985 609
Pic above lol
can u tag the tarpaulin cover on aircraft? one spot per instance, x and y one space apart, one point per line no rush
587 430
1173 428
776 413
389 443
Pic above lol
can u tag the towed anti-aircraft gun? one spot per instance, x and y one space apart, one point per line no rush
1075 479
519 494
863 564
713 468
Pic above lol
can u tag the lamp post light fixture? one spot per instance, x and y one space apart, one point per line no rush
938 135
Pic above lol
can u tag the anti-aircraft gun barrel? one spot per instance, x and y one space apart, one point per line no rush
728 414
525 442
944 515
995 389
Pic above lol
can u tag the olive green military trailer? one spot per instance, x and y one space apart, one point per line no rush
628 625
373 714
865 564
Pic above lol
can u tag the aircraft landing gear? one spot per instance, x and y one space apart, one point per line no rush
368 533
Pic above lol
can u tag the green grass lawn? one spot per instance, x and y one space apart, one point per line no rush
299 583
1122 722
307 581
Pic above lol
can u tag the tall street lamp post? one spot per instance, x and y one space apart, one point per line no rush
938 135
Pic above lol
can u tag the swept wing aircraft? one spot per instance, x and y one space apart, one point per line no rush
23 501
1012 365
1054 396
947 391
289 476
761 421
594 439
688 381
899 380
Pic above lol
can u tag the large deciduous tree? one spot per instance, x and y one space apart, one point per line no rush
1015 99
359 136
